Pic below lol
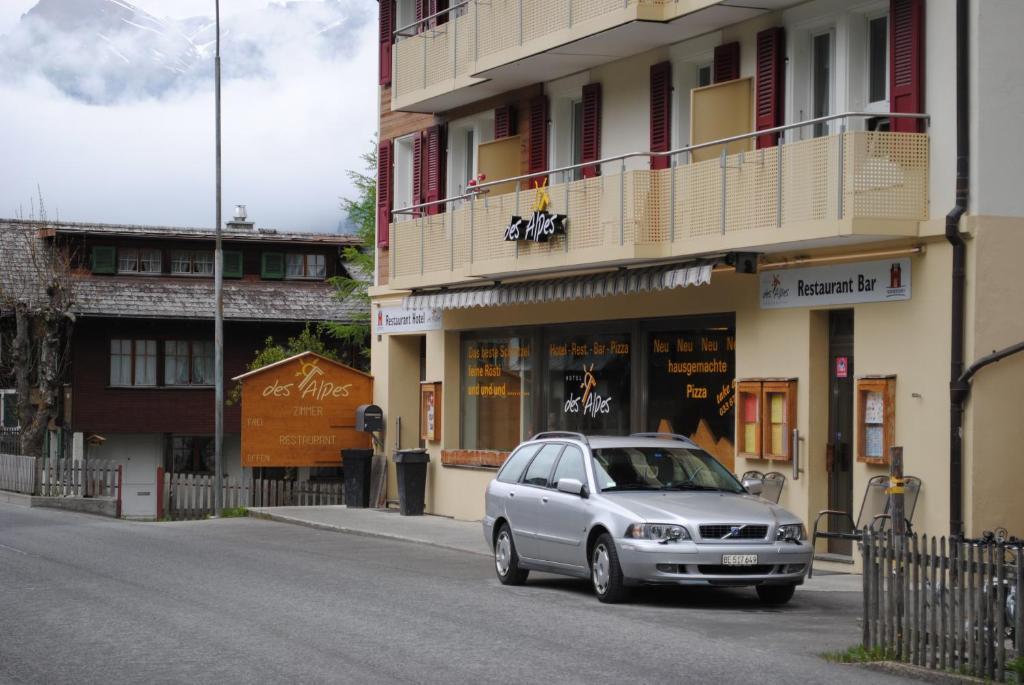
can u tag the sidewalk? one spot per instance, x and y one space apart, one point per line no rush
461 536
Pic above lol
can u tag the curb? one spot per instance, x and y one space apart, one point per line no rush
920 673
280 518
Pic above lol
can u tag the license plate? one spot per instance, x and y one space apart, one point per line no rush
739 560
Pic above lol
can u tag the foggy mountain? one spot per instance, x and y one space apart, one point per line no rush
104 52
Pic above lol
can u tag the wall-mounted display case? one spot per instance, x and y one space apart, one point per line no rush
876 418
430 411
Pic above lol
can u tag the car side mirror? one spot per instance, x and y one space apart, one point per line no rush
753 486
572 486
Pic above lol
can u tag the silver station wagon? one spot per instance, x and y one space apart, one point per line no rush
648 509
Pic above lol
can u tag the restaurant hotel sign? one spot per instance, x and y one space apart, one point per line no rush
839 284
301 412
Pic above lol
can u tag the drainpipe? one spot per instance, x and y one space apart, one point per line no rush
958 386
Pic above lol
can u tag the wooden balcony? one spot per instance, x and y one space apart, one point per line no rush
855 185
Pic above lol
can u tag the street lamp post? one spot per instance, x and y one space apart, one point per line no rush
218 289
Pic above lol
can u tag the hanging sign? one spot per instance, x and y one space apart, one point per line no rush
542 225
838 284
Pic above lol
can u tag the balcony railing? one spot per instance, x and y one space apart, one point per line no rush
474 33
814 189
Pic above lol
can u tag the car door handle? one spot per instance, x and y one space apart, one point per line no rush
511 494
543 499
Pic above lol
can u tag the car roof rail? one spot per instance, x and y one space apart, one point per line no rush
562 434
669 436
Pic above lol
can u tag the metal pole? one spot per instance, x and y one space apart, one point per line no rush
841 171
722 164
218 288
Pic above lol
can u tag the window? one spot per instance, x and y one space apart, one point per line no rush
515 464
8 409
703 75
402 190
497 379
821 80
658 468
132 362
588 376
878 60
312 266
196 262
570 466
540 468
191 454
188 362
138 261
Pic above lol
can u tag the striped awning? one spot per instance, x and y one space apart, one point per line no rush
621 282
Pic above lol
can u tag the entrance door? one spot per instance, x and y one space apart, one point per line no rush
839 455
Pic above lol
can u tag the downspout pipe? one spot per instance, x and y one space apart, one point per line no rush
958 386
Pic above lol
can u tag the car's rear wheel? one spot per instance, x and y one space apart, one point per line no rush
506 559
775 594
605 571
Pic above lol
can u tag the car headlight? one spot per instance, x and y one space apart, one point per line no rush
662 532
791 531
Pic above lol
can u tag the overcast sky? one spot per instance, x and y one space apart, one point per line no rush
299 108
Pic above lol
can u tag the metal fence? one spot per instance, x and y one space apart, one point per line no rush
182 497
944 604
10 441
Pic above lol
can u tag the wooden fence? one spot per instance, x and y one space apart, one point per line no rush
944 604
189 496
77 478
17 473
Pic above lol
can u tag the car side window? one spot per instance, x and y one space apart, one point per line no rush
516 463
540 467
570 466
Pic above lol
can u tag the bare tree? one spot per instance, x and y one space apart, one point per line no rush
37 286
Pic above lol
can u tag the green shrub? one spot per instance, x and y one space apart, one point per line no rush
860 655
233 512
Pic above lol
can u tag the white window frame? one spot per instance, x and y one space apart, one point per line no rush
190 259
132 260
146 359
188 353
313 267
459 158
401 184
880 106
829 127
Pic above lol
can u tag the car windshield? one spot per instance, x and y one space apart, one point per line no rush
660 468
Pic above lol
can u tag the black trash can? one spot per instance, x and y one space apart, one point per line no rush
411 466
356 464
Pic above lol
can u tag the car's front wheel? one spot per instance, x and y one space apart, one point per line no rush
775 594
605 571
506 559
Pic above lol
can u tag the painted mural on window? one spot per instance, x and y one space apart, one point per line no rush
589 383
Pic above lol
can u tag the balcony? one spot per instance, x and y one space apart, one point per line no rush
853 186
489 47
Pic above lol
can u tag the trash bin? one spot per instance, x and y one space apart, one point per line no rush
356 464
411 467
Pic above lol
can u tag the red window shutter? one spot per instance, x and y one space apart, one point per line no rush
417 172
433 171
387 29
537 150
906 62
384 176
770 74
661 113
505 123
591 144
727 62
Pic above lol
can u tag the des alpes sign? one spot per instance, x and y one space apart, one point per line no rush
301 412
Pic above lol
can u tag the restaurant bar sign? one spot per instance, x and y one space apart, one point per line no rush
539 227
852 283
301 412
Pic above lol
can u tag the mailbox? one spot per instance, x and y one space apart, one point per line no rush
369 418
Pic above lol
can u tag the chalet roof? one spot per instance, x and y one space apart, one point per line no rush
288 360
259 235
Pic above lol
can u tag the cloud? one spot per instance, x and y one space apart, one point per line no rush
122 144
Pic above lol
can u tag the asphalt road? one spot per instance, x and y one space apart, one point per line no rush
91 600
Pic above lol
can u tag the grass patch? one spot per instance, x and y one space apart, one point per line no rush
1017 668
860 655
233 512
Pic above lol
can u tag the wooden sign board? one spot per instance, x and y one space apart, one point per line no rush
301 412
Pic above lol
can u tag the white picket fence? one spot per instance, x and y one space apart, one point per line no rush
17 473
190 496
77 478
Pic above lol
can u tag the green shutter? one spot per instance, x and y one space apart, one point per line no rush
232 264
104 260
273 265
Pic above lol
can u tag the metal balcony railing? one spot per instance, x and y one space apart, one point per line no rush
629 214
